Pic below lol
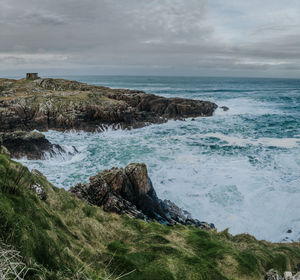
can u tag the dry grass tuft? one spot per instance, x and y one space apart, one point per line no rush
11 264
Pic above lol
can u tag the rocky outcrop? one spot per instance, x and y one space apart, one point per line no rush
224 108
130 191
32 145
63 105
273 274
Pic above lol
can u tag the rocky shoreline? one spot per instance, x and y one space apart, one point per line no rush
58 104
43 104
62 105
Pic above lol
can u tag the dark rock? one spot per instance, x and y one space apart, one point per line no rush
225 108
130 191
289 231
32 145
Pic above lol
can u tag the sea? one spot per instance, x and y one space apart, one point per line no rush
239 169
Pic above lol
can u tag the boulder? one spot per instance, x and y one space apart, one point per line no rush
288 275
225 108
32 145
130 191
273 274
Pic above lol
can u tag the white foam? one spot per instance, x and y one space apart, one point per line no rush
243 142
254 192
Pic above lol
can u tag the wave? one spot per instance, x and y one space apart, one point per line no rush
264 141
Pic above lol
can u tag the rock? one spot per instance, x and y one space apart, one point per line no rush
38 173
3 149
288 275
225 108
272 274
32 145
289 231
58 104
130 191
297 276
38 189
298 267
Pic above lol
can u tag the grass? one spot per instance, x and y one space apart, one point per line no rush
65 238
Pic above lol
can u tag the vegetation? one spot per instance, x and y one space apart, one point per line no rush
58 236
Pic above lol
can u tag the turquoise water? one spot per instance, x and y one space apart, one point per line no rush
239 169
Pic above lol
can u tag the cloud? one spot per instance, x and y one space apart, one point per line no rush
151 36
36 18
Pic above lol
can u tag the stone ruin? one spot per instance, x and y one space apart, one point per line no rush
32 76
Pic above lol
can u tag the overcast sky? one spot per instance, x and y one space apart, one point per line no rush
151 37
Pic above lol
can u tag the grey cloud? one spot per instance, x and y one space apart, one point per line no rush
42 18
144 36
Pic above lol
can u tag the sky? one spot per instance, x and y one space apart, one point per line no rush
257 38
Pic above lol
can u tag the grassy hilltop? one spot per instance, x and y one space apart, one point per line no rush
61 237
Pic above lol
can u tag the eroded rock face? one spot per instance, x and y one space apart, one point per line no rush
32 145
59 104
130 191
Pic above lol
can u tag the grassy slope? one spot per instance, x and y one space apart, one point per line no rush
35 96
65 238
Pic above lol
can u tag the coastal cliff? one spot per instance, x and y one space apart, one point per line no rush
63 105
50 234
114 226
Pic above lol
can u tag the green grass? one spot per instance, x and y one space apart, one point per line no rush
63 237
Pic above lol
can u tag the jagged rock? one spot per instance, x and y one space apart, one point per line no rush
130 191
59 104
272 274
225 108
32 145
